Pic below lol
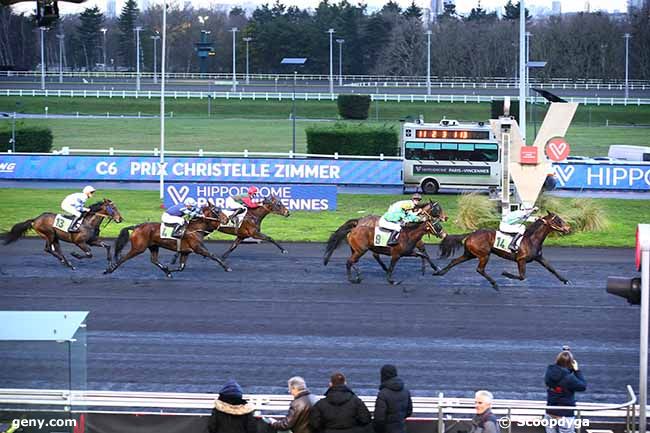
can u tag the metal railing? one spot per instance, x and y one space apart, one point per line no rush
306 96
441 409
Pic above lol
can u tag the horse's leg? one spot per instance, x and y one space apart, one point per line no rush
351 264
482 263
154 259
234 245
389 274
135 250
456 261
262 236
542 261
56 250
85 248
181 264
422 253
199 248
521 267
100 243
381 263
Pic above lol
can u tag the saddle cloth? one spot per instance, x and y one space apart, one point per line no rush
381 237
63 222
166 231
502 241
234 224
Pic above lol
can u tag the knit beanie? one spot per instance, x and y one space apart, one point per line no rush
231 390
388 371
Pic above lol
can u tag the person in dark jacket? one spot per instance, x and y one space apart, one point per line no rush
563 379
297 419
231 413
393 404
484 421
341 411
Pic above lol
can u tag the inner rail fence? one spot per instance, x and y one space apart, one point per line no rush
418 80
444 411
306 96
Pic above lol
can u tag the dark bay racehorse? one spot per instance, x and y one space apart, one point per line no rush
147 235
479 245
87 236
360 232
252 223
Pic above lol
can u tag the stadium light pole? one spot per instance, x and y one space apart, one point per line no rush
331 32
296 63
60 37
627 37
137 31
522 69
155 68
340 42
429 62
162 100
247 40
42 30
104 30
234 31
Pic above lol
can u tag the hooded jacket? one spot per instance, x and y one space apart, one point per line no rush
232 415
562 385
341 411
392 407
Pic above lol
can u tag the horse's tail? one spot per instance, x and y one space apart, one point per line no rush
450 244
122 240
335 239
17 231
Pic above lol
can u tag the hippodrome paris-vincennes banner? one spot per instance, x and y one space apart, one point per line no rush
118 168
603 176
294 197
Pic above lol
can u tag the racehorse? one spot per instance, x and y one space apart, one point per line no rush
480 244
88 234
359 233
147 235
252 223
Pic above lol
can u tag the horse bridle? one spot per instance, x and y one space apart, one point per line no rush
433 223
552 225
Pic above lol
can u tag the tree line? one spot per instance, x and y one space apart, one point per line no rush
388 41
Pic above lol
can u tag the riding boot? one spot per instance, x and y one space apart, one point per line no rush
178 230
513 244
237 212
76 223
393 239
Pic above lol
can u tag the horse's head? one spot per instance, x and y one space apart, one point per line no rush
107 209
274 205
213 212
433 211
556 223
436 229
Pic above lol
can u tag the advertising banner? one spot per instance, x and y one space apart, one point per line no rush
145 168
603 176
294 197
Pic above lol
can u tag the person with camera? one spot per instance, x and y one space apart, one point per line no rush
563 379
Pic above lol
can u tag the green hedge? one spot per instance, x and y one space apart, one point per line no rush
353 106
28 140
352 139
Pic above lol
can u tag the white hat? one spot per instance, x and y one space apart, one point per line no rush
88 189
190 202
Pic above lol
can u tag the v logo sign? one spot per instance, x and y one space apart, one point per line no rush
178 195
564 174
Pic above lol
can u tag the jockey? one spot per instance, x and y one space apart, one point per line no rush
513 223
176 215
239 203
398 213
74 205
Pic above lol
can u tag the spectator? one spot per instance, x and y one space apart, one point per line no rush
297 419
563 379
231 413
341 411
484 421
393 403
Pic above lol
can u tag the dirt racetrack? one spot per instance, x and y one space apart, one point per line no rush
277 315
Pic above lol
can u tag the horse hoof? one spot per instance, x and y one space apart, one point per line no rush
228 269
495 287
357 281
568 283
72 268
394 283
168 275
285 252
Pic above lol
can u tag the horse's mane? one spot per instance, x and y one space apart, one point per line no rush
534 226
412 225
95 207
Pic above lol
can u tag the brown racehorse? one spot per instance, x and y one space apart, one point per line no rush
252 223
360 234
88 234
479 244
147 235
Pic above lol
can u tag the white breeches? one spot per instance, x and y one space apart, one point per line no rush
512 228
232 204
389 225
71 210
171 219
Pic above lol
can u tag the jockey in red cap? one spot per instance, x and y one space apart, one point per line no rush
240 203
